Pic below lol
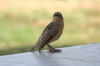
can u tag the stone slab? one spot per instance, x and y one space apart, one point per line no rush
81 55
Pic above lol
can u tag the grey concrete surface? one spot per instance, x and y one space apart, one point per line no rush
82 55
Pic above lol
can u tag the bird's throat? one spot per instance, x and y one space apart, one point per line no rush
58 20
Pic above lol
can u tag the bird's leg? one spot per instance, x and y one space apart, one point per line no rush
53 49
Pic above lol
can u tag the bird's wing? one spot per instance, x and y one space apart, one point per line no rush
49 32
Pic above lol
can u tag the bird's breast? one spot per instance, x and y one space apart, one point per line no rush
60 30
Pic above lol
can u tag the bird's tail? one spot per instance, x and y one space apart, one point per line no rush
36 46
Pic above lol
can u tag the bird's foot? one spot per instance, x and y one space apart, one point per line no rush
55 51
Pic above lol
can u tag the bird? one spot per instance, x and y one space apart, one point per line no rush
51 33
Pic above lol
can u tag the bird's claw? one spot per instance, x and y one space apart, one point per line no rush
55 51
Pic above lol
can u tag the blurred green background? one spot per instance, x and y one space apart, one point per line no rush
22 21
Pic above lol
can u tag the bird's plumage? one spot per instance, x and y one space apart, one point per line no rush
48 34
51 33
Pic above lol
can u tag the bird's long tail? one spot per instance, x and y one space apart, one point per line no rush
35 47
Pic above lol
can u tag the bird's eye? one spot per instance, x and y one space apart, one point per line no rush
56 15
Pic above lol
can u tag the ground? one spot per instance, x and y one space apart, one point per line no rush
82 55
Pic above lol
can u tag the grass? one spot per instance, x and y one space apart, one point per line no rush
20 29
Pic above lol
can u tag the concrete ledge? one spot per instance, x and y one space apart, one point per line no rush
82 55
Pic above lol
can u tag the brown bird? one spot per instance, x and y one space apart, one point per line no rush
51 33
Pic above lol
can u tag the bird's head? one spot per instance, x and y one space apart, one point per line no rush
57 16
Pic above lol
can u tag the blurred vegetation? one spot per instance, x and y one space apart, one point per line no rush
21 26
